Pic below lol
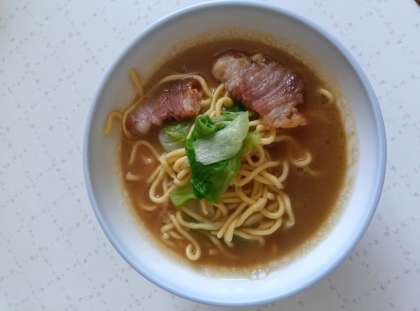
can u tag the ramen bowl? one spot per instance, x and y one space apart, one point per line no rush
360 194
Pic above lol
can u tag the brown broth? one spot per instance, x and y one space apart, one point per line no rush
313 197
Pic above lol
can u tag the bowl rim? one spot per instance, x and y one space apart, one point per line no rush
374 105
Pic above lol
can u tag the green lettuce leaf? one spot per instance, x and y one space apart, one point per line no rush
182 195
211 181
223 144
173 135
251 141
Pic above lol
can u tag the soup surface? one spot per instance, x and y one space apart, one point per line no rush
313 195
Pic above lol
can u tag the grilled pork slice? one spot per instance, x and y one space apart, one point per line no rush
178 100
266 87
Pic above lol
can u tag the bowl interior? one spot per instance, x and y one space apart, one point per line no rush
100 154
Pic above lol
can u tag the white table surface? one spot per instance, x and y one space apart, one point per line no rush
53 253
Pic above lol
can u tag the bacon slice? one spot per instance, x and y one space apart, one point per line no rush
268 88
179 100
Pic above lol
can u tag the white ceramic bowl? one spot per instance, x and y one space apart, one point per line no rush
100 156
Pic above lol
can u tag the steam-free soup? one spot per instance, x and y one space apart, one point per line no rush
312 157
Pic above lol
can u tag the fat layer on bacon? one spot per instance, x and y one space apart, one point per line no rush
264 86
178 100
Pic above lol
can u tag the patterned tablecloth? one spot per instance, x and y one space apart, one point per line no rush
53 253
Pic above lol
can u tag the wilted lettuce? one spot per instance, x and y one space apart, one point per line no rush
180 196
220 142
251 141
173 135
212 180
223 144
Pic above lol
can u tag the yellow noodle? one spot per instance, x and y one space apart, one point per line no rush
132 177
243 197
252 209
288 208
175 235
217 214
251 113
238 210
268 139
257 56
261 128
229 231
154 175
194 225
205 102
253 219
222 208
327 94
266 225
231 200
303 161
166 166
125 115
277 214
152 191
310 171
176 154
259 178
254 173
113 115
191 130
193 251
268 231
256 190
261 157
204 206
168 242
200 79
183 174
267 155
260 191
248 236
285 172
224 101
231 206
255 122
216 93
270 196
194 215
219 245
273 179
229 194
180 163
135 79
135 147
148 208
182 182
167 227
